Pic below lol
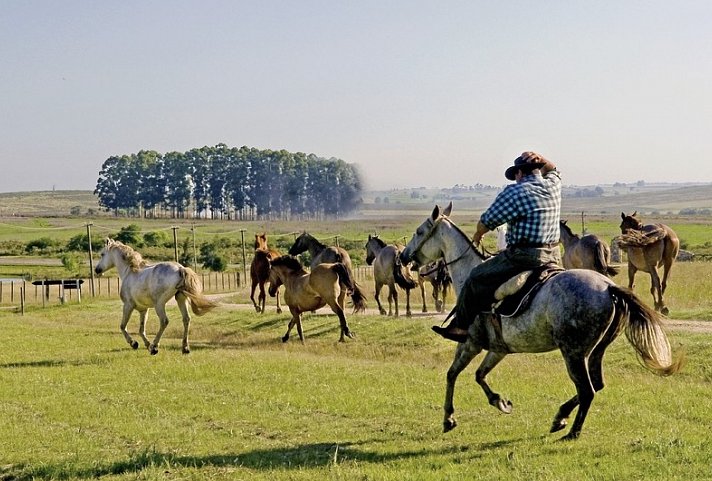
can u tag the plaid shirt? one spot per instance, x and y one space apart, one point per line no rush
531 208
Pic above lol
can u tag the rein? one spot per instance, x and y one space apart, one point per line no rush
470 244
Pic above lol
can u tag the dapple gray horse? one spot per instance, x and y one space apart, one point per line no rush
580 312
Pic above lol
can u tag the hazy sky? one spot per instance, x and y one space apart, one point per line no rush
418 93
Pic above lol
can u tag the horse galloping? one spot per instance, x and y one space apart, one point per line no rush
587 252
580 312
259 272
649 247
437 275
330 254
388 271
326 284
145 287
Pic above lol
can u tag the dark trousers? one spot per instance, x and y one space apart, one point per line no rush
477 294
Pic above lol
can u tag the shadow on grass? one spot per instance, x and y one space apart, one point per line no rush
316 455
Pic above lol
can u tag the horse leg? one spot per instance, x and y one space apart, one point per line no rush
296 318
261 298
489 363
408 313
142 316
393 296
464 354
422 294
631 275
577 366
279 308
252 295
381 310
436 297
339 311
161 312
666 271
128 309
182 305
655 288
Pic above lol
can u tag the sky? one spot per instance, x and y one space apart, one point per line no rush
416 93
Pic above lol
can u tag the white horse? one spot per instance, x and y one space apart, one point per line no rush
145 286
579 311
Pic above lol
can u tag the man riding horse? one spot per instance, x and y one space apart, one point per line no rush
531 210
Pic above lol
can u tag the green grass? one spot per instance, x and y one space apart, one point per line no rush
78 403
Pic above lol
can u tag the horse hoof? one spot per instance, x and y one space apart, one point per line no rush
664 311
134 345
285 338
449 425
186 350
570 437
383 312
279 310
558 425
154 351
505 405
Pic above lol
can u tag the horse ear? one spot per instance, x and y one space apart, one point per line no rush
369 236
108 241
448 209
634 214
436 212
623 215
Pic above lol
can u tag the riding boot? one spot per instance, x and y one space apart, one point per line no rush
453 331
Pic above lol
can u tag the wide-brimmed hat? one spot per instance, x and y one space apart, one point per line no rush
520 163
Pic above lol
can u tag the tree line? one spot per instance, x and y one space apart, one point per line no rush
224 182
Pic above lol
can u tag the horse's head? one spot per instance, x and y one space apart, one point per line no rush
565 231
630 222
301 244
421 249
106 259
281 268
373 246
261 241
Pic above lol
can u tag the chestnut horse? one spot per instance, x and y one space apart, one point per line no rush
587 252
649 247
259 272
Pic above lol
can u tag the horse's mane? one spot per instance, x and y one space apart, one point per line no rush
457 228
568 230
310 238
288 261
132 258
379 241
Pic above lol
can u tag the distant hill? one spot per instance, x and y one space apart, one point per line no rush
604 199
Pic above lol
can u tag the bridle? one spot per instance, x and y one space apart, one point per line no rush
470 245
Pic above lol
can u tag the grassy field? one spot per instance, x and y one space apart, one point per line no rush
78 403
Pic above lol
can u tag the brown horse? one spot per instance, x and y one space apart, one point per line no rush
388 271
330 254
326 284
259 272
437 275
649 247
587 252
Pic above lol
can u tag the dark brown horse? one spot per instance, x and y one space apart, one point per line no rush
435 273
587 252
259 272
649 247
326 284
321 253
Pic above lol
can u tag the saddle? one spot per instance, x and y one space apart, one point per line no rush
515 295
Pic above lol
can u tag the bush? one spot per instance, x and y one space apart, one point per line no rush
156 238
43 245
130 235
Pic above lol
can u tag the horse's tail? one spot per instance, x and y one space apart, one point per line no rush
645 333
190 286
355 291
601 256
400 277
